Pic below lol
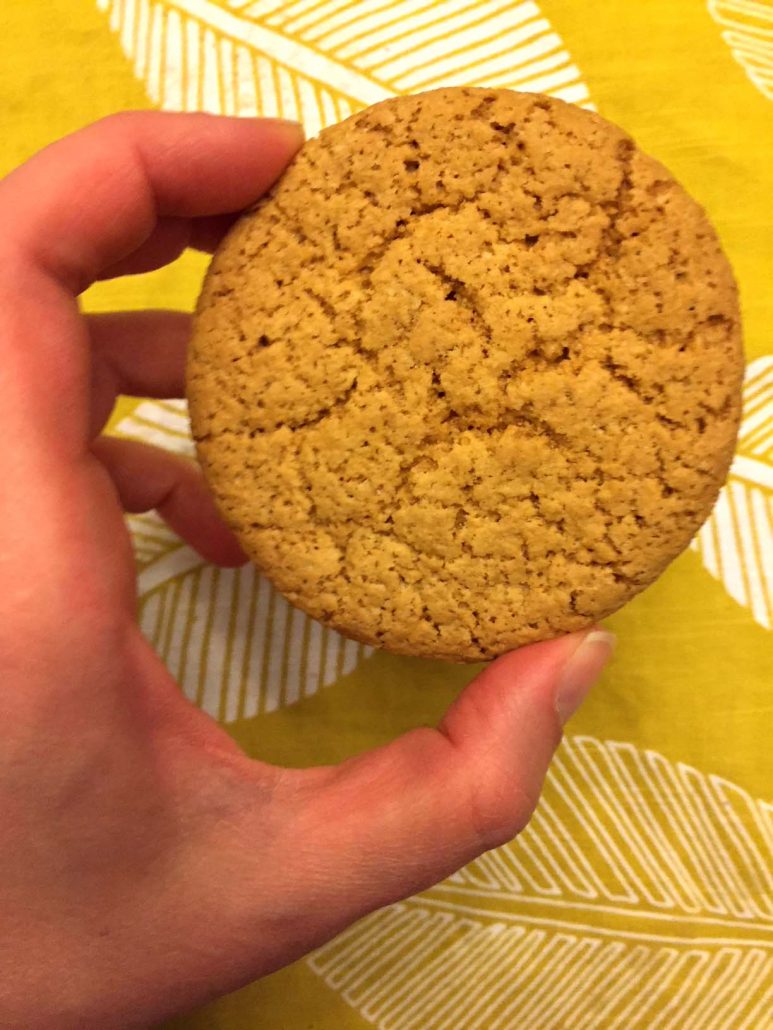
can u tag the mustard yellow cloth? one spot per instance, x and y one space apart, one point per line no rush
641 895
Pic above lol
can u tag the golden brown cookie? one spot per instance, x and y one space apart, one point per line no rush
470 376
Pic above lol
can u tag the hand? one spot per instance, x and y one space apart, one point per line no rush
146 864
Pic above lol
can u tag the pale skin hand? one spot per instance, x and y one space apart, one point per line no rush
146 864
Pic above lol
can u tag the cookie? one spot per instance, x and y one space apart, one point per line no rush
469 377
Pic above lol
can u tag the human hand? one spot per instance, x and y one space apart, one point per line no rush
146 864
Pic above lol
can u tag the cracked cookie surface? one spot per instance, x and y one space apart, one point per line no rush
469 377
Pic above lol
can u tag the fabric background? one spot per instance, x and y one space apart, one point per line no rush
642 893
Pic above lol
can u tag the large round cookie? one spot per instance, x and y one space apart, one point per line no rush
470 376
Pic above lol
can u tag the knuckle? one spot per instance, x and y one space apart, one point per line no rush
499 811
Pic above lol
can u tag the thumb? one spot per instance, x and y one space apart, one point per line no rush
396 820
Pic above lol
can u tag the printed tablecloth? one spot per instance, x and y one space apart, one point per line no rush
641 895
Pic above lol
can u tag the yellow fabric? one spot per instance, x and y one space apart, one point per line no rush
641 894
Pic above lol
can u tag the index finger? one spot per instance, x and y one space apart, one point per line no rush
87 201
80 206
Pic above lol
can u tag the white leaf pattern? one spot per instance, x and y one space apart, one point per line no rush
231 640
319 62
151 538
639 896
235 645
747 28
736 543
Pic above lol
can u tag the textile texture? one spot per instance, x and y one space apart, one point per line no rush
641 895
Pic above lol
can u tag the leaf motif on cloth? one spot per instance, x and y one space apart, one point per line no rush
151 538
234 644
639 896
747 28
319 62
736 542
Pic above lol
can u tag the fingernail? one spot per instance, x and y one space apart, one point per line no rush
582 670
